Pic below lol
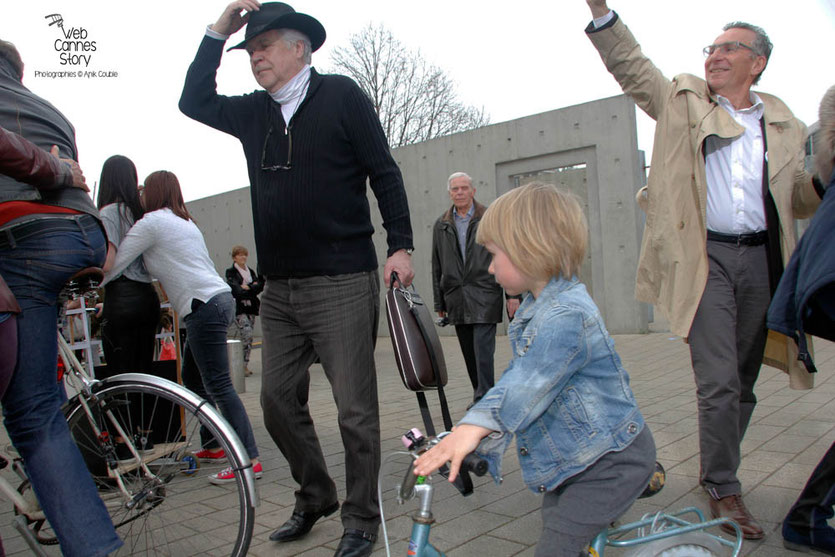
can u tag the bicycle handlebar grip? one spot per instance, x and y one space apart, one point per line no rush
475 464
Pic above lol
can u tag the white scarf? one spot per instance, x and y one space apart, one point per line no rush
291 95
245 274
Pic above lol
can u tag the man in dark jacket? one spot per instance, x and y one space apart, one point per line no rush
466 294
312 142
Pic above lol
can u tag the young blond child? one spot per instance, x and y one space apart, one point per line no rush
581 440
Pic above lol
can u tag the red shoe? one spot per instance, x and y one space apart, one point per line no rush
227 475
211 455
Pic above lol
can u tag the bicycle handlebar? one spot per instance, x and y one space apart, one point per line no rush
475 464
418 444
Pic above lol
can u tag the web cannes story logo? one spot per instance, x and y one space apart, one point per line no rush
73 47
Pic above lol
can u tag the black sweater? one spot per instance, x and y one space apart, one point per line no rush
314 218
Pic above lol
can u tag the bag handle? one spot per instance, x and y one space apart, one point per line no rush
394 278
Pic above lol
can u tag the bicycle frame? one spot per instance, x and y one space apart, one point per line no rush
419 486
80 381
422 521
678 527
661 525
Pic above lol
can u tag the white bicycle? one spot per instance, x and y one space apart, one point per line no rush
138 435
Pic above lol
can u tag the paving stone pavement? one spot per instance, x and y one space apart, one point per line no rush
789 433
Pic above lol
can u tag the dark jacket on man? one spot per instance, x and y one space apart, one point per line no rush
462 287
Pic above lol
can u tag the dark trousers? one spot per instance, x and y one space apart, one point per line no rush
584 505
131 315
727 340
334 318
813 508
478 344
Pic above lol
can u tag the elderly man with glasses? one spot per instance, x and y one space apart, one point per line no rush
311 142
727 180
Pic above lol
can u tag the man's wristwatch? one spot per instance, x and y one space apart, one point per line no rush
409 251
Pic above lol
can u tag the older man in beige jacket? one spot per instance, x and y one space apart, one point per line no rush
727 180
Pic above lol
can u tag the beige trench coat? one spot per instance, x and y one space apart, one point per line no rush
673 266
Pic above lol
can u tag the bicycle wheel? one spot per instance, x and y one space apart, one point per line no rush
165 504
690 544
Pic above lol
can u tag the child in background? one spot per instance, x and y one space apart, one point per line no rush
581 439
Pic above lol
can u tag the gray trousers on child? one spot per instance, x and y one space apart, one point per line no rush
586 504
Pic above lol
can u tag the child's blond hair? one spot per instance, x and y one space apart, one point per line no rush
541 228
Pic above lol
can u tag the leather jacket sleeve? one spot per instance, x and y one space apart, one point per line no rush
24 161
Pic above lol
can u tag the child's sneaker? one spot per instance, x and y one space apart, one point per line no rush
211 455
227 475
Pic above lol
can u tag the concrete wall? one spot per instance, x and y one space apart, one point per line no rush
590 149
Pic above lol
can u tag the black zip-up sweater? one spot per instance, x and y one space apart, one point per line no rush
314 218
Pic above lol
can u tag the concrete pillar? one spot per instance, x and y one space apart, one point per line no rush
236 364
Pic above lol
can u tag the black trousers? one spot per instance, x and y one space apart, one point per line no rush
333 318
478 344
131 315
814 506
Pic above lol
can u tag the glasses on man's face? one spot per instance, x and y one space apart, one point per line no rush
725 48
272 167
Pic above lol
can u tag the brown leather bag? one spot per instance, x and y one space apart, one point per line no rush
417 347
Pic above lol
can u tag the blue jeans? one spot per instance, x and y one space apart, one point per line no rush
206 365
36 267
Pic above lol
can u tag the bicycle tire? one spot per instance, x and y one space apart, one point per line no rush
169 513
690 544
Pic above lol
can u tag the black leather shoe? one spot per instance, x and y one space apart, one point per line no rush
300 524
355 543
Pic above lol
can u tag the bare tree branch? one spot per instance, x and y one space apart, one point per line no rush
415 101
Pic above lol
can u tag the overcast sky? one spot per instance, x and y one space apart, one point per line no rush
514 58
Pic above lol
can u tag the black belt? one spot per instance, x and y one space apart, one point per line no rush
750 239
20 232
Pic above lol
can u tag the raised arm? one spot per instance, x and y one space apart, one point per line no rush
598 8
637 75
199 99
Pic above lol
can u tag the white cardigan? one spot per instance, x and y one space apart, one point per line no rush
175 253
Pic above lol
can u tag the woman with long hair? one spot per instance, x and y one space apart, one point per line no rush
175 253
131 306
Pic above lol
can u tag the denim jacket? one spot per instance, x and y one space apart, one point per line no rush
565 394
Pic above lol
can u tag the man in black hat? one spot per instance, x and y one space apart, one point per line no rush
311 141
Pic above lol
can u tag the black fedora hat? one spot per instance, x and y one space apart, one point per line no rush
278 15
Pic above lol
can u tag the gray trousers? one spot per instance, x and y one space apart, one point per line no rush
727 341
478 345
334 318
586 504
